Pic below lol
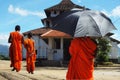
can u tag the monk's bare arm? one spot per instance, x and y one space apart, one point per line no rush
33 47
9 39
22 40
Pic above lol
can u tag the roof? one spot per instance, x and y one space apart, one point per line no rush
47 32
109 34
55 33
114 40
64 5
38 31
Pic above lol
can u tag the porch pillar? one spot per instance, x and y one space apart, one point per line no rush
61 44
61 47
50 53
50 42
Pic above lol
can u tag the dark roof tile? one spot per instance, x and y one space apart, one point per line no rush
64 5
38 31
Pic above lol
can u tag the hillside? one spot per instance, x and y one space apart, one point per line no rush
4 50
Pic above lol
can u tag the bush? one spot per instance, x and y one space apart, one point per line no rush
103 50
106 63
2 57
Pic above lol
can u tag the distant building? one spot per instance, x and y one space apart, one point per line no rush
114 53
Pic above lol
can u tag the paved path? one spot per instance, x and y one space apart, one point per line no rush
53 73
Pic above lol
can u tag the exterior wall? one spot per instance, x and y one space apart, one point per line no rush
114 51
43 49
57 54
53 53
40 46
119 56
118 59
24 50
46 51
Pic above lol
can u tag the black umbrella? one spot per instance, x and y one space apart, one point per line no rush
80 23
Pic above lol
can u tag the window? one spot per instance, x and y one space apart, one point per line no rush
46 40
47 24
56 43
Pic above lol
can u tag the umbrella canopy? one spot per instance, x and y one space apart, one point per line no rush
79 23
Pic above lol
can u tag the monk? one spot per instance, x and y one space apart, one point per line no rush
15 49
81 66
30 55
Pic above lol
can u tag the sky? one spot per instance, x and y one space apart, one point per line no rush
28 14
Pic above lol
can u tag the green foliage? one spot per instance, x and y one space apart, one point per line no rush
107 63
103 50
2 57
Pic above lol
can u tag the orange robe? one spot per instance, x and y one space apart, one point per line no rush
30 55
81 66
15 50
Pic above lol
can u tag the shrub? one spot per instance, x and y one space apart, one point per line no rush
103 50
2 57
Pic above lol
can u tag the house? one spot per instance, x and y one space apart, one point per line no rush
114 52
51 45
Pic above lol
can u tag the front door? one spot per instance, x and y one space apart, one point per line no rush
66 49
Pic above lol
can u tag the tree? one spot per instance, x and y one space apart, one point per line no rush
103 50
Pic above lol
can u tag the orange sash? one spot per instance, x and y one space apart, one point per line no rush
81 66
15 50
30 55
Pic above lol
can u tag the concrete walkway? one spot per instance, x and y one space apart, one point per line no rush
53 73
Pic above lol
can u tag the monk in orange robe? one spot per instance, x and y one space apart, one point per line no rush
81 66
30 55
15 49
